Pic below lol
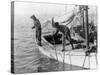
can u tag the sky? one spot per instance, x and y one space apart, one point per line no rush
38 8
44 10
41 8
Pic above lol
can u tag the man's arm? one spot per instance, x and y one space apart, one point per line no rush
33 27
56 32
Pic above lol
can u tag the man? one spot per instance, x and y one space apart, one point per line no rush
65 31
37 25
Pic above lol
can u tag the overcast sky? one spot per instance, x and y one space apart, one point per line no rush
40 8
44 9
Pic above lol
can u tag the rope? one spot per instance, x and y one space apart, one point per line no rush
71 18
66 13
46 24
58 17
55 48
63 43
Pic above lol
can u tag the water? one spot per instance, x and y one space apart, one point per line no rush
27 57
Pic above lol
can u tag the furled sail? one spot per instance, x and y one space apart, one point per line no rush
65 19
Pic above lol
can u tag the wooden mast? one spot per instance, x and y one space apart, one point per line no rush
86 26
81 10
83 17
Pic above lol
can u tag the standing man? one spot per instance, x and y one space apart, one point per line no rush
37 25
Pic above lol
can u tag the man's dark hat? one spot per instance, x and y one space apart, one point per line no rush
33 16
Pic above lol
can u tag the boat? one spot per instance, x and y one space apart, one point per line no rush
52 47
54 51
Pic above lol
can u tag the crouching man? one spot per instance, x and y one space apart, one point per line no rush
64 30
37 25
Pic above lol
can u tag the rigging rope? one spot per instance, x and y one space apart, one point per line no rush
55 48
63 43
70 18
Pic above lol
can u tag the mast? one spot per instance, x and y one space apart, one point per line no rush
81 11
86 26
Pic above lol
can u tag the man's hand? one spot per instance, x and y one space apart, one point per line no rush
33 27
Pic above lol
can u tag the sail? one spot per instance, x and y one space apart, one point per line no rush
65 18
